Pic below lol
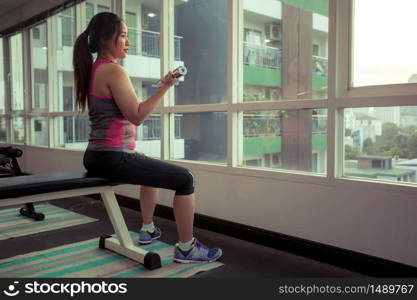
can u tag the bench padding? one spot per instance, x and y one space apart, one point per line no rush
14 187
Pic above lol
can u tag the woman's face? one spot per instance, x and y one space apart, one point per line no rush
119 44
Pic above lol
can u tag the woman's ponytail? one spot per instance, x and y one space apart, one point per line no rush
82 61
102 27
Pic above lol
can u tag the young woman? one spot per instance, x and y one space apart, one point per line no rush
114 113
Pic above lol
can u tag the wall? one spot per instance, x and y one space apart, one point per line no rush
26 12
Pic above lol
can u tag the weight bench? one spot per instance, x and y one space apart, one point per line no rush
52 186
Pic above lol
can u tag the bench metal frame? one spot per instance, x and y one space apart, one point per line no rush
123 244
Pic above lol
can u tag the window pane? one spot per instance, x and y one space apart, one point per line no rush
381 143
200 137
148 136
93 7
89 12
39 67
67 24
16 66
103 8
3 130
64 77
384 50
2 83
201 45
39 131
285 42
18 130
286 139
72 132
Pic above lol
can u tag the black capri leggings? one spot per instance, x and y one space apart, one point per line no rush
134 168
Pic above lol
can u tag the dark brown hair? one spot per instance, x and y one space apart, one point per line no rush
102 27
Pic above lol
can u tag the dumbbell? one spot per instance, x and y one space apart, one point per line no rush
176 73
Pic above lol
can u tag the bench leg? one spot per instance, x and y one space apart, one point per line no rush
123 244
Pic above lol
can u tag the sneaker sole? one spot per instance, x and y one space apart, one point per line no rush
148 242
188 261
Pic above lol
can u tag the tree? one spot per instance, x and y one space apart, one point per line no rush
386 142
368 146
412 146
350 152
348 132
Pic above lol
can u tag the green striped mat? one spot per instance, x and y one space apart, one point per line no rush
12 224
84 259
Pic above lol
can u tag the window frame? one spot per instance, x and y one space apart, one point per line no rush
340 96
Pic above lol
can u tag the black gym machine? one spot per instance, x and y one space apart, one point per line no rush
9 167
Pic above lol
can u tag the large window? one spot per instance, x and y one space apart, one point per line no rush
3 120
381 143
67 127
268 89
143 65
284 46
72 132
39 129
285 50
286 139
380 135
384 49
3 130
200 43
17 88
39 56
2 83
202 137
18 130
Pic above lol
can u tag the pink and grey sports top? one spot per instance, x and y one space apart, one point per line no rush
110 130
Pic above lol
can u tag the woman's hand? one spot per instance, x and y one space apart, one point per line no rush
169 80
140 153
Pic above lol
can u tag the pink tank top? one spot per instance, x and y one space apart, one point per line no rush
110 130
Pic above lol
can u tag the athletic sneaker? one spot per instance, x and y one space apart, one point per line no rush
146 236
197 253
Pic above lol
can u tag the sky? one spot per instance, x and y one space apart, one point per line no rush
385 41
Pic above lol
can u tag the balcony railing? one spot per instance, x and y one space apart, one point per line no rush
320 65
146 43
261 56
257 126
270 57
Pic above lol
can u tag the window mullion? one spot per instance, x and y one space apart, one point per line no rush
166 36
342 42
7 87
51 27
332 155
27 83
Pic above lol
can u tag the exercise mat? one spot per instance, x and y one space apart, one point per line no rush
84 259
12 224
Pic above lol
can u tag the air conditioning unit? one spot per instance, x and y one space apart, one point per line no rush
273 31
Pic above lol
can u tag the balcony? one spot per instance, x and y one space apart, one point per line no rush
261 56
146 43
261 125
